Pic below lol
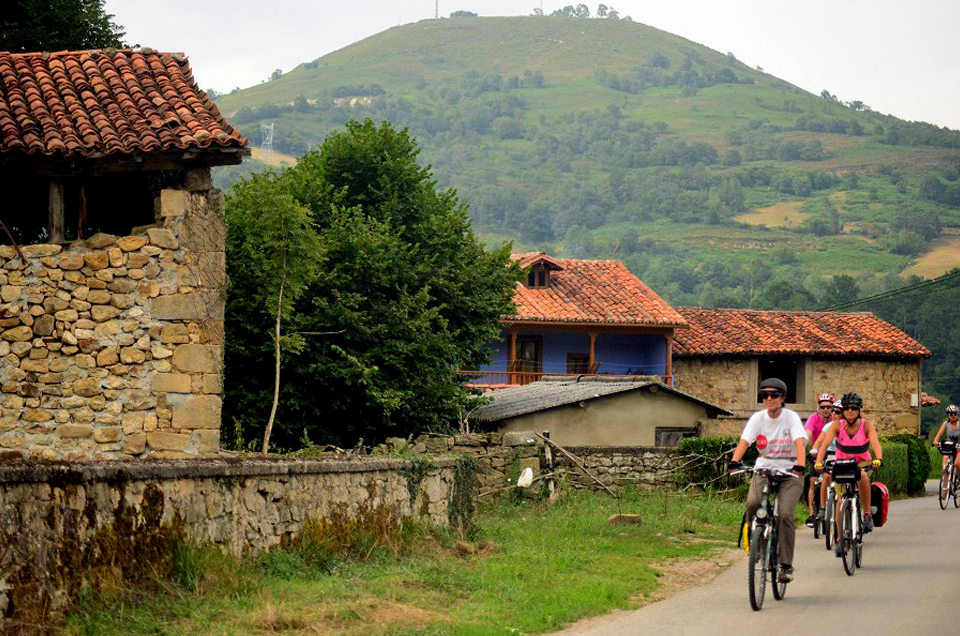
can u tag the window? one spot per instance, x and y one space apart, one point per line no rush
578 363
670 436
538 277
789 369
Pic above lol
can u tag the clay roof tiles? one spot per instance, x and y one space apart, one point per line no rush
724 332
590 291
92 103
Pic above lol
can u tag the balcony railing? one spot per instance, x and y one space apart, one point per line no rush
498 379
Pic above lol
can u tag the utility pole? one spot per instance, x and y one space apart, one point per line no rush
436 10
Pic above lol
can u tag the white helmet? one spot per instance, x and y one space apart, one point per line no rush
825 397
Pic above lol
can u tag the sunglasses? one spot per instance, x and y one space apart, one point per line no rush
763 395
825 407
837 411
851 408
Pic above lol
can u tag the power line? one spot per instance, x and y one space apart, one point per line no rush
946 278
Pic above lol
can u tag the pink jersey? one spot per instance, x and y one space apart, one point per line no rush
814 427
856 446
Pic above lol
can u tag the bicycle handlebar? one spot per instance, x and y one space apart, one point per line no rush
765 472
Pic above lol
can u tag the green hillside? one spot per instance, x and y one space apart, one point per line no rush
718 184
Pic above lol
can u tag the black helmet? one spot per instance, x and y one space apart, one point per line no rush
774 383
852 398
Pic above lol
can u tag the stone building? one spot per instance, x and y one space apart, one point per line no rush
724 353
112 265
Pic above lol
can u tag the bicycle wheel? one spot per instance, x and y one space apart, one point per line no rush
779 589
858 541
829 523
816 516
757 574
956 487
846 537
944 487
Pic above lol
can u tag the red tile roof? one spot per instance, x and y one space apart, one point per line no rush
591 291
720 332
91 103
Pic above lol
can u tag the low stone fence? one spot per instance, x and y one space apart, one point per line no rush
63 526
621 466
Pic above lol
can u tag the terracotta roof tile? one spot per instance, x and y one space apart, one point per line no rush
88 103
590 291
717 332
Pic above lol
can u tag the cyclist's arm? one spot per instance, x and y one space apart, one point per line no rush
936 440
801 445
739 451
825 439
874 441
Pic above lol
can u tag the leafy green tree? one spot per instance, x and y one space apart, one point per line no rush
414 293
274 239
56 25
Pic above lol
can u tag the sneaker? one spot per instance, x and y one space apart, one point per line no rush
786 573
837 550
820 515
867 523
810 521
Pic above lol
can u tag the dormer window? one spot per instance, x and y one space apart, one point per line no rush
538 278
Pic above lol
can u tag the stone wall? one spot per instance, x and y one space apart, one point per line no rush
111 347
66 525
885 385
621 467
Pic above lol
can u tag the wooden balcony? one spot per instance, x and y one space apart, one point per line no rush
501 379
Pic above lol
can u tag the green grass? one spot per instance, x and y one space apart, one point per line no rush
533 567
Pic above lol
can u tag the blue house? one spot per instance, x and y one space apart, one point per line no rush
579 317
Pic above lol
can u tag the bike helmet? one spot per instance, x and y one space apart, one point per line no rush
825 397
852 398
952 410
837 405
774 383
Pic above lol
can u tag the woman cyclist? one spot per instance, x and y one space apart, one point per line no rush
782 443
952 429
814 426
831 447
854 437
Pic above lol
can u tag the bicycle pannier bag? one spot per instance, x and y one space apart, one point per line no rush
947 447
846 471
879 500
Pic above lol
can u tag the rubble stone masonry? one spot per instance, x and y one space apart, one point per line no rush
111 347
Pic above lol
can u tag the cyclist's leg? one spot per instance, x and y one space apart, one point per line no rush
753 497
824 488
790 492
864 487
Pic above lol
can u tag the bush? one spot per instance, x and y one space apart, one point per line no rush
936 461
918 460
705 460
895 470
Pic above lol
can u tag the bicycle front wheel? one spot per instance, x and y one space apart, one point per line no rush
757 574
779 588
956 487
846 538
858 542
829 524
944 487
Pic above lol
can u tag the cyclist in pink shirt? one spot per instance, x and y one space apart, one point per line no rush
813 427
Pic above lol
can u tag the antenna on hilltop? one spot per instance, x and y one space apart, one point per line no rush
436 10
266 130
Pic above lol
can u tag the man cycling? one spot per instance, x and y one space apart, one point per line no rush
814 426
854 437
781 441
952 428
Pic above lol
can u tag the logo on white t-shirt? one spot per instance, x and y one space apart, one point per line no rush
761 442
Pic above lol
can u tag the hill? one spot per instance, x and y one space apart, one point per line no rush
717 183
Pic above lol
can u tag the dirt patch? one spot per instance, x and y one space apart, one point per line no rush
677 575
785 214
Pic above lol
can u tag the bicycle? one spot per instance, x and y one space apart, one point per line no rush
829 521
850 518
949 479
764 539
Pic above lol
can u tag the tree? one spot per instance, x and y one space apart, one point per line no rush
56 25
273 236
416 296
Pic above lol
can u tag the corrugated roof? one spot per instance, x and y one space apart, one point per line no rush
549 393
590 291
718 332
92 103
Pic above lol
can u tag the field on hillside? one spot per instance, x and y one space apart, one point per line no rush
943 256
784 214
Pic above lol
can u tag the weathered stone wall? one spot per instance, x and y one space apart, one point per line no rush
111 347
63 524
621 467
885 385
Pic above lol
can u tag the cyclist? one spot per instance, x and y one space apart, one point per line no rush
854 437
781 441
827 477
814 426
952 430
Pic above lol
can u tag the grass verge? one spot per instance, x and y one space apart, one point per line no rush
532 567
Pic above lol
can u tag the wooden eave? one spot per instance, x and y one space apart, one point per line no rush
600 327
84 165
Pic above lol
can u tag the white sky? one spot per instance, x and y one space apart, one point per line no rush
896 56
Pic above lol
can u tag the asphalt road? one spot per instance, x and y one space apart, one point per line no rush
908 585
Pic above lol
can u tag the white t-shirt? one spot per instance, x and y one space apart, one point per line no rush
775 438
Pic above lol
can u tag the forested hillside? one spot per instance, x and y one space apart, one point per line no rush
718 184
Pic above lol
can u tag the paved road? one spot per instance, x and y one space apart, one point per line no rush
908 585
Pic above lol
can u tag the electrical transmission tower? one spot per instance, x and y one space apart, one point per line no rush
266 130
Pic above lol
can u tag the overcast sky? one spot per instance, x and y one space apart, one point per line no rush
896 56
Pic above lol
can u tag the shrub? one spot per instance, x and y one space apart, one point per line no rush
936 460
895 470
918 460
704 460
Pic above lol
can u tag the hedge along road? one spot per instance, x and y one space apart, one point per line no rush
908 585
